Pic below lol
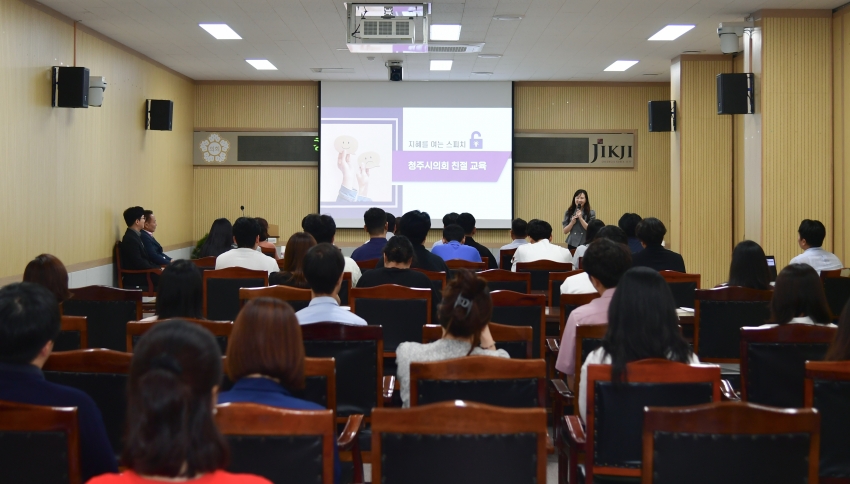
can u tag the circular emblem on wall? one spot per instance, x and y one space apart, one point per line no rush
215 148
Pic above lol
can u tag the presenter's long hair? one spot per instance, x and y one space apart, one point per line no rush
585 214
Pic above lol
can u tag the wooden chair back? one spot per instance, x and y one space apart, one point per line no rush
683 286
827 388
220 329
107 310
836 286
221 290
282 445
73 334
588 338
401 311
269 251
506 280
295 297
614 429
515 309
516 340
556 280
205 263
569 303
30 449
511 438
719 315
148 290
506 257
455 264
102 375
540 270
366 265
345 288
676 442
438 283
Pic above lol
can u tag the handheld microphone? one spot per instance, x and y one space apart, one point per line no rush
242 207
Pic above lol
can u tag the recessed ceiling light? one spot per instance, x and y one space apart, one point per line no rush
261 64
220 31
441 65
621 65
671 32
507 17
445 32
489 56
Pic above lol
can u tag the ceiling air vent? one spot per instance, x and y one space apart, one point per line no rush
438 48
387 29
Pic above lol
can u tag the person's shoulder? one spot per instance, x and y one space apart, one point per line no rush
225 477
61 395
597 357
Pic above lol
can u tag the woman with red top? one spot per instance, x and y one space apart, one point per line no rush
171 391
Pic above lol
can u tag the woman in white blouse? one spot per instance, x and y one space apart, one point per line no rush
642 323
798 297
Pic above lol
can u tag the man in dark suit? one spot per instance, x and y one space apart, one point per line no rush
467 221
153 250
133 255
650 232
29 322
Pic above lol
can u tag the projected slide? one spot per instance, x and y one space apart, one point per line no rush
433 156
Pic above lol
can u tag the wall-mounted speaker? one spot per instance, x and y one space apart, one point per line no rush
735 93
662 116
70 87
159 114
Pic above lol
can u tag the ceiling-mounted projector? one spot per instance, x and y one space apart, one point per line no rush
388 28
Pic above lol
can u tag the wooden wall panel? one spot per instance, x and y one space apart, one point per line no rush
69 173
841 129
281 105
797 130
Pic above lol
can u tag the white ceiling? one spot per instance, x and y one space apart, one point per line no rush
558 40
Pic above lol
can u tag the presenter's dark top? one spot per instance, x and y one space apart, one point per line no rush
492 263
133 256
422 259
26 384
153 251
659 258
370 250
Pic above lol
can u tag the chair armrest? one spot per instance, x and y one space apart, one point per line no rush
349 439
727 393
142 271
550 445
561 391
552 346
575 441
389 389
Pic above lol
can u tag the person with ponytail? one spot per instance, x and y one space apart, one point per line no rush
171 391
464 315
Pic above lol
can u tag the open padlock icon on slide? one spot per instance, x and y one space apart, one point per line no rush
475 141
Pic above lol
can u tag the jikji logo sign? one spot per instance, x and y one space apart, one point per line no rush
215 148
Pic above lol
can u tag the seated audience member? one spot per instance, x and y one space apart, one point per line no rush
265 359
651 233
811 235
376 226
605 263
798 297
839 350
464 315
540 248
467 221
171 435
415 226
181 292
642 323
153 251
519 232
390 226
264 234
133 256
448 219
629 222
749 267
323 268
452 246
246 234
293 262
323 229
48 271
398 255
219 240
593 228
29 322
580 283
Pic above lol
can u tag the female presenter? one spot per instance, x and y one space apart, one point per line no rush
576 219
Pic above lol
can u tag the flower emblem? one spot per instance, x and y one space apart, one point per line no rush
215 148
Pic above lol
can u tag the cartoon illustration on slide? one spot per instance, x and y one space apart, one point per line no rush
355 173
346 144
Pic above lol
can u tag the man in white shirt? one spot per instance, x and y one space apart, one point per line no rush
323 229
323 269
519 229
580 283
811 235
540 247
246 234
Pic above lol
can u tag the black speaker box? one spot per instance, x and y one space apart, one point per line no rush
662 116
70 87
734 93
160 112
